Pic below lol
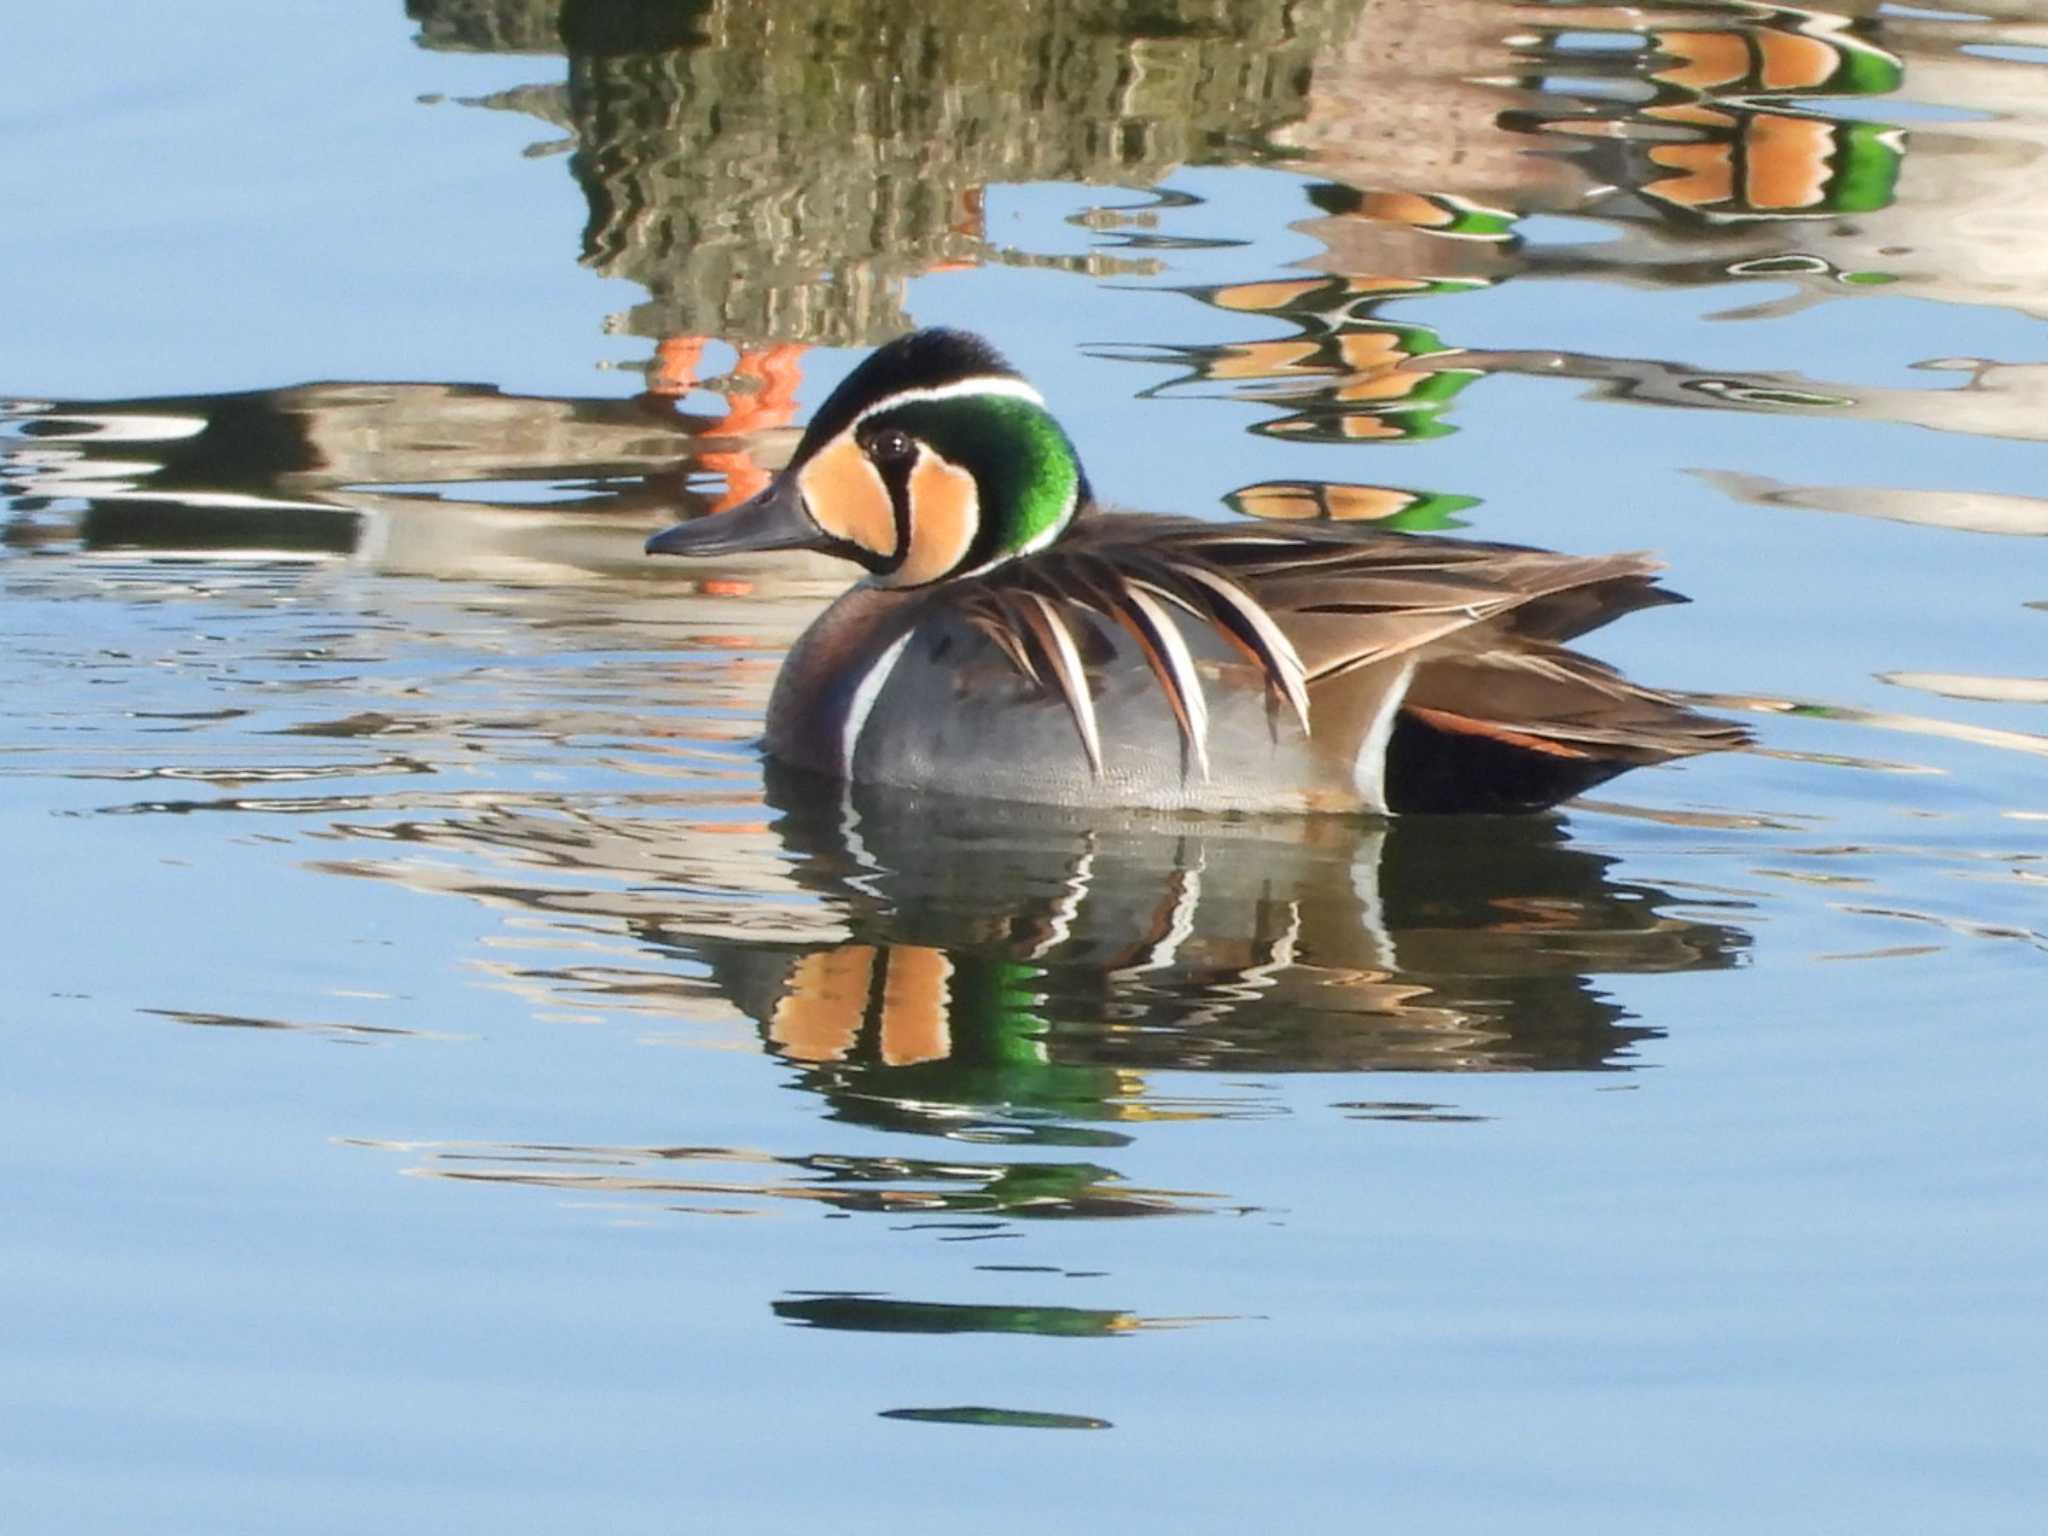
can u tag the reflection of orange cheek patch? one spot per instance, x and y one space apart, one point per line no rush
1363 503
1264 296
1695 112
1292 501
824 1001
1383 284
943 515
1263 359
1280 503
847 498
1788 162
1394 384
1710 59
1791 61
914 1006
1404 208
1709 177
1371 351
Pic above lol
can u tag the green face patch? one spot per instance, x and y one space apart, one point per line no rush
1023 463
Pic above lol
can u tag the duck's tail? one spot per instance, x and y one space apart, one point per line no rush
1520 729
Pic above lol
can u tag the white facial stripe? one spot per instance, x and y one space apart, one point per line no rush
982 384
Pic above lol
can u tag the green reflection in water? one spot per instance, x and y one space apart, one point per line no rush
876 1314
732 1180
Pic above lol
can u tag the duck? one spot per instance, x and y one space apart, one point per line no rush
1011 639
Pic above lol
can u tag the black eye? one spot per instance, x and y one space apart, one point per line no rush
889 446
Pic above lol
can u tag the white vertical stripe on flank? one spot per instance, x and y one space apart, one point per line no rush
1369 769
865 693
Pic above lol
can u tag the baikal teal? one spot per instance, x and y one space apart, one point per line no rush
1014 641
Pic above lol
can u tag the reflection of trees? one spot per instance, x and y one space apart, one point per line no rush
774 173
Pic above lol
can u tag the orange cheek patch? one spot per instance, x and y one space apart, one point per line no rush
944 512
847 498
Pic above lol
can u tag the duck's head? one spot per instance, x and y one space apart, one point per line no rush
933 460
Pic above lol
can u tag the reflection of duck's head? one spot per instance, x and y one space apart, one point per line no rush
1041 967
1006 645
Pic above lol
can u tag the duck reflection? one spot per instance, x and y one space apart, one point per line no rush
1727 115
1022 974
1724 142
1035 985
1766 142
1347 375
1744 105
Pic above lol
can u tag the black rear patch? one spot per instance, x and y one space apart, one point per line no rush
1439 772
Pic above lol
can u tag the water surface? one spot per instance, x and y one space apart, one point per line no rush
452 1085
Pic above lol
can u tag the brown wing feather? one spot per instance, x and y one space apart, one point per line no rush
1345 614
1568 701
1347 597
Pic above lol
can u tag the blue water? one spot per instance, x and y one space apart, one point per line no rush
432 1091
